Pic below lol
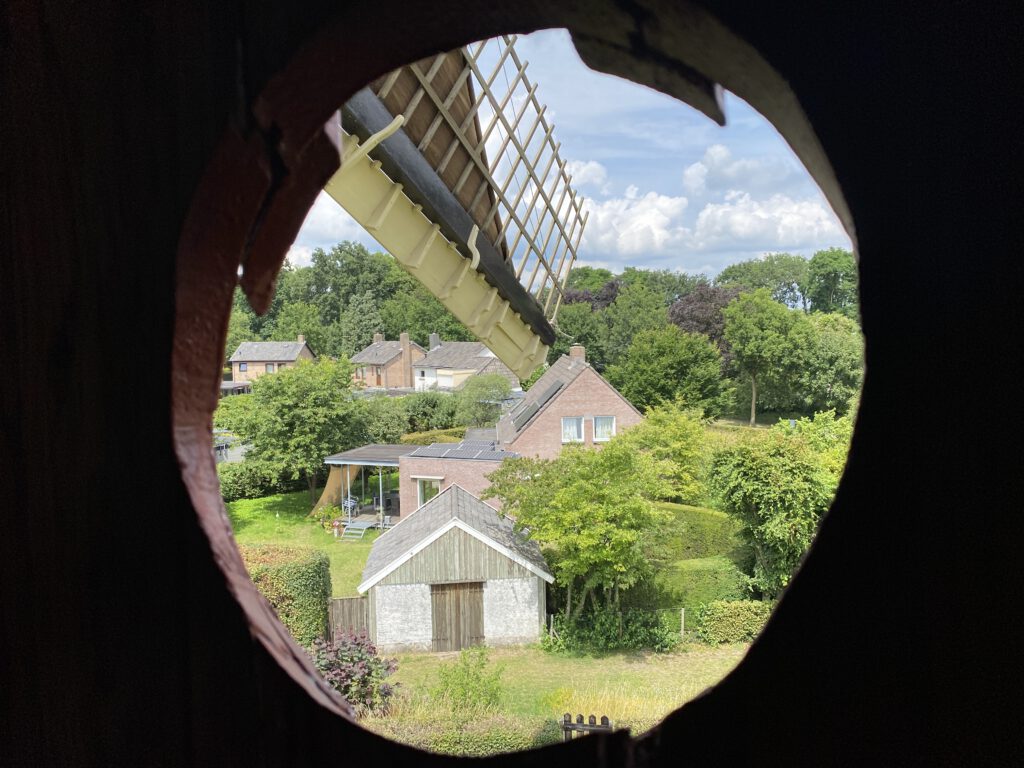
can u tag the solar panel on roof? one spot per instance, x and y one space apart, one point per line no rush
476 444
493 455
525 416
549 393
430 451
463 453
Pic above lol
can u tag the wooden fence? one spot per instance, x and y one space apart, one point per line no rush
571 729
349 614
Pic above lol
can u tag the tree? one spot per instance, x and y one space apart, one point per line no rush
298 319
666 364
479 401
832 282
675 434
758 332
385 418
299 415
589 509
588 278
783 274
637 308
360 321
669 284
700 311
832 362
419 313
579 324
239 330
430 410
828 436
778 488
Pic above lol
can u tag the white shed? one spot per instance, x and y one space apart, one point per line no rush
454 574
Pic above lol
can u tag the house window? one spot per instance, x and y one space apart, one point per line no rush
572 429
243 366
426 489
604 428
270 367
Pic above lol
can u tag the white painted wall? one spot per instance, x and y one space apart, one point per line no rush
403 619
512 611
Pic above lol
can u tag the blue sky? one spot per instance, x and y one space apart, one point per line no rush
666 187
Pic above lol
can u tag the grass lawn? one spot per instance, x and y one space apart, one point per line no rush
281 519
634 689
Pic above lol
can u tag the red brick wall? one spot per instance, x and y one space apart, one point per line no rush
471 475
588 395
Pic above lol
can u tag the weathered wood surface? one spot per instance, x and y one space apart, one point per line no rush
349 614
456 556
457 616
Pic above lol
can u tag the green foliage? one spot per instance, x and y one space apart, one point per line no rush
778 488
782 274
698 532
588 278
252 479
481 736
479 400
579 324
351 665
239 330
300 318
541 370
430 410
666 364
471 682
832 282
637 308
296 582
831 365
732 621
692 583
297 416
386 418
670 285
673 434
418 311
453 435
827 436
608 629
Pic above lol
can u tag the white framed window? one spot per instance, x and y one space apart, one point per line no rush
426 489
270 367
604 428
572 429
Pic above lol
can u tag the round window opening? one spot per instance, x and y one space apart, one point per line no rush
535 425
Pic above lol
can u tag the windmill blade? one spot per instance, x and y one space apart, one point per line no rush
451 164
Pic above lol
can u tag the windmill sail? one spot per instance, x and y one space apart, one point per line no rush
451 164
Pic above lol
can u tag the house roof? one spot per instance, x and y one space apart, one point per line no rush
374 455
556 378
454 507
458 355
381 352
470 450
268 351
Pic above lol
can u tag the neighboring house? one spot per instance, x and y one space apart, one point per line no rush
449 364
387 364
570 403
454 574
254 358
430 469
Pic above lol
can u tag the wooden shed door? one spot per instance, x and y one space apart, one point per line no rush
457 613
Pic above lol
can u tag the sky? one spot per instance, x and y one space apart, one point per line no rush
666 187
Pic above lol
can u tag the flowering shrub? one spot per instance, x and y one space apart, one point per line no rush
351 666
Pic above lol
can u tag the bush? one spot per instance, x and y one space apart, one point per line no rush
478 736
351 666
430 410
253 479
469 683
608 630
297 582
453 435
732 621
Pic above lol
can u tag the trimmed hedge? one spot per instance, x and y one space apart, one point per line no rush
453 435
297 582
489 734
700 532
705 580
732 621
253 479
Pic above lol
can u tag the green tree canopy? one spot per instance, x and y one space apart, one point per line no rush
674 434
669 284
239 330
588 278
417 311
832 282
479 400
300 318
385 418
783 274
831 364
579 324
637 308
666 364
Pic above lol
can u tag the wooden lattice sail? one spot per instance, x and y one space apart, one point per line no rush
451 165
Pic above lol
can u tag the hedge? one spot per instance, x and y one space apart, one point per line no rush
700 532
253 479
453 435
732 621
488 734
297 582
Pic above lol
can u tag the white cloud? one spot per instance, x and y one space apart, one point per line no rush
326 225
720 171
588 173
777 223
634 225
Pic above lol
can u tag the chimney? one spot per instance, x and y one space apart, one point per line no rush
435 341
403 342
578 352
302 339
378 338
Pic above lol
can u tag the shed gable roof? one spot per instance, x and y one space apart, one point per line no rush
454 507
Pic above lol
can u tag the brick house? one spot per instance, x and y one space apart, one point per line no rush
254 358
430 469
387 364
570 403
449 364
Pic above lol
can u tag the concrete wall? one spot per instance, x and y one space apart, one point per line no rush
588 396
401 617
513 610
471 475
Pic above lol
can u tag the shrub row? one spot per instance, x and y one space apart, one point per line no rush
700 532
253 479
608 629
732 621
297 582
453 435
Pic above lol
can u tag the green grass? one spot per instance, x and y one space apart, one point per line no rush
281 519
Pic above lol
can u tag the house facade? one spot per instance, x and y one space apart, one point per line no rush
454 574
252 359
431 469
570 404
387 364
448 365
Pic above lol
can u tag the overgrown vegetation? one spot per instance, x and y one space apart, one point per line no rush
296 582
351 665
732 621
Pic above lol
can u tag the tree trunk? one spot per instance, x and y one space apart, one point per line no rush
753 400
583 602
568 601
